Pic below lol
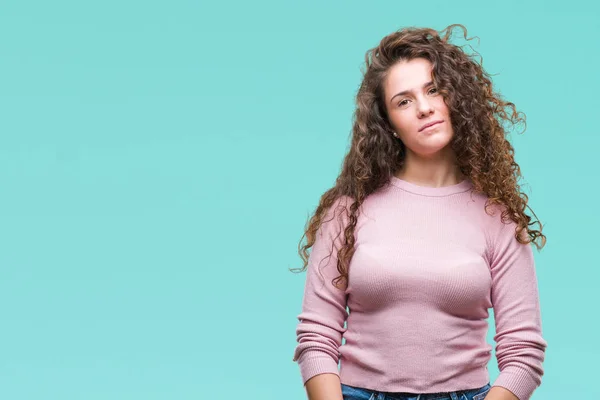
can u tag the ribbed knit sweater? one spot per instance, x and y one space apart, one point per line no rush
429 263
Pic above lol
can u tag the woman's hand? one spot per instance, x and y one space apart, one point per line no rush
500 393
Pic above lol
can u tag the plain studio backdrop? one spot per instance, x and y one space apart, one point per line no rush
158 162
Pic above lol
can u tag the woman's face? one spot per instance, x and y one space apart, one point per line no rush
412 101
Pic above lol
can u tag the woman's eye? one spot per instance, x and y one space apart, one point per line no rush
403 102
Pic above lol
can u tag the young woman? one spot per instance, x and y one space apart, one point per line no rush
423 232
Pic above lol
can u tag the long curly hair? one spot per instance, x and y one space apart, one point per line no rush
477 114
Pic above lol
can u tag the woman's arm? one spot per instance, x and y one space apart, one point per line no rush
324 387
520 346
321 322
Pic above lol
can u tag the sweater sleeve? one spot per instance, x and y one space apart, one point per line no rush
520 347
321 321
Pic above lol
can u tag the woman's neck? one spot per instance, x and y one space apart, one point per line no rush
430 172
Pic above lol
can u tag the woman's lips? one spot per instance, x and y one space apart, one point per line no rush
431 126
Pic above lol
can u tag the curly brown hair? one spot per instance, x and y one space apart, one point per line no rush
477 113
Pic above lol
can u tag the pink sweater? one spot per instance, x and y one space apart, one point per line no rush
428 265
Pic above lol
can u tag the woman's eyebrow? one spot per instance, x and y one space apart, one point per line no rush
408 91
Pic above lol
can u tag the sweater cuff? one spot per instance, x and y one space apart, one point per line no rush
312 364
518 381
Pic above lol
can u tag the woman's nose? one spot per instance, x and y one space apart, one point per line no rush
425 108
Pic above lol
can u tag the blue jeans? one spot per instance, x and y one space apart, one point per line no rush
356 393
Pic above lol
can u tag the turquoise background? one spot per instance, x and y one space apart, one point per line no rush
158 162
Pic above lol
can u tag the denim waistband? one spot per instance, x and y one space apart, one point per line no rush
357 393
